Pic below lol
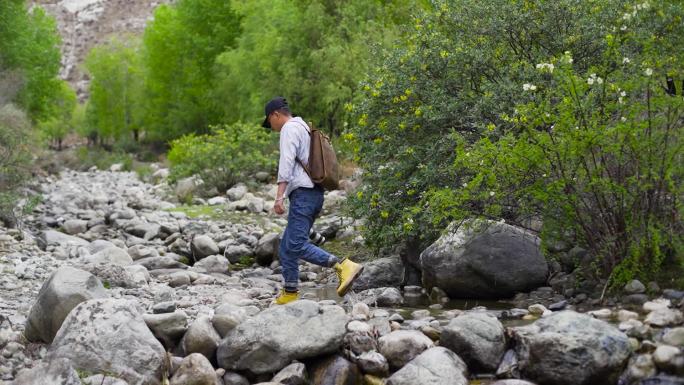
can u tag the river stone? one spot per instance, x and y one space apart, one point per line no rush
435 366
194 370
99 245
664 317
57 238
401 346
236 192
635 287
663 379
665 356
203 246
169 328
232 378
212 264
569 348
639 367
674 337
477 338
273 338
235 252
373 363
267 249
382 272
161 262
110 255
293 374
110 335
58 372
201 337
100 379
335 370
493 260
61 292
75 226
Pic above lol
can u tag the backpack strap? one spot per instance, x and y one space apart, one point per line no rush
306 169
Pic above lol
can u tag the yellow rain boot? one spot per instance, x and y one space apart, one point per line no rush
347 271
286 297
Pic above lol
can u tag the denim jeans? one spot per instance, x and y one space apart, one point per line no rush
305 205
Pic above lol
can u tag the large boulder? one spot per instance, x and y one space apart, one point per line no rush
484 259
267 249
381 272
273 338
195 369
435 366
569 348
203 246
110 255
109 335
57 238
63 291
201 337
476 337
401 346
58 371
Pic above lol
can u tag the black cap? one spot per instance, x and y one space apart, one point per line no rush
275 104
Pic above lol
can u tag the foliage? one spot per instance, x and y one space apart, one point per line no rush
102 159
582 136
229 153
180 47
63 118
114 110
14 159
29 58
312 52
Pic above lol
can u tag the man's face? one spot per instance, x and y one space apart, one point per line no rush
276 120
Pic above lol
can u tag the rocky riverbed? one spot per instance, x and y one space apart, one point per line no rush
111 281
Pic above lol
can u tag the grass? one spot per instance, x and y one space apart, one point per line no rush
221 214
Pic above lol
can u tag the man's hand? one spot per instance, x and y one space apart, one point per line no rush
279 207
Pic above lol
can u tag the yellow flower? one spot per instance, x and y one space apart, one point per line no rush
384 214
419 112
444 54
359 194
377 140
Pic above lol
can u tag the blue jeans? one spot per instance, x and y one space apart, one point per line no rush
305 205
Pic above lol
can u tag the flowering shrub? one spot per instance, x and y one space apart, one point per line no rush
222 158
516 110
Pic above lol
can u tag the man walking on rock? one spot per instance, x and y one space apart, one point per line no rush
306 201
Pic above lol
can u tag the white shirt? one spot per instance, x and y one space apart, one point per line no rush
295 141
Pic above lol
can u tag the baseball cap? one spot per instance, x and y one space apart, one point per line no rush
274 104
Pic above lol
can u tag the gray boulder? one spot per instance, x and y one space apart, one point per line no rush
435 366
236 192
203 246
56 238
235 252
273 338
75 226
401 346
201 337
293 374
382 272
477 338
169 328
195 369
267 249
161 262
212 264
61 292
58 371
110 255
110 335
335 370
484 259
567 348
373 363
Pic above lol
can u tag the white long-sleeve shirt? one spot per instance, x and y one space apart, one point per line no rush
294 143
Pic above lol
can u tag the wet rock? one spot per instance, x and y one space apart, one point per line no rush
293 374
639 367
110 335
672 294
477 338
167 327
201 337
335 370
382 272
401 346
203 246
550 350
62 291
194 370
487 260
374 363
273 338
435 366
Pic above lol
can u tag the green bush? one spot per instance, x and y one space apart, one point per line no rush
222 158
587 141
15 157
102 159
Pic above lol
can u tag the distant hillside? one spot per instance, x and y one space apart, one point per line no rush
85 23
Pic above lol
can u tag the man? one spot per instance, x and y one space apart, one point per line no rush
306 201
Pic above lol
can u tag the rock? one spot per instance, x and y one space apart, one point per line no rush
227 317
194 370
232 378
141 251
267 249
202 246
335 370
62 291
626 315
262 176
158 263
360 311
664 317
601 313
255 205
212 264
373 363
58 372
477 338
674 336
98 245
382 272
185 188
401 346
663 379
665 356
179 279
110 255
56 238
235 252
273 338
673 294
635 299
640 367
100 379
75 226
656 304
201 337
169 328
512 382
216 201
139 274
635 287
109 335
293 374
571 348
537 310
495 262
358 342
435 366
236 192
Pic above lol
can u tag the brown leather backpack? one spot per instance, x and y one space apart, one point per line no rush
322 169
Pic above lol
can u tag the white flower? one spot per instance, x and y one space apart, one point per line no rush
464 185
599 80
623 119
623 93
623 28
648 72
590 81
546 67
626 16
645 5
620 100
625 60
593 78
491 193
543 175
529 87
